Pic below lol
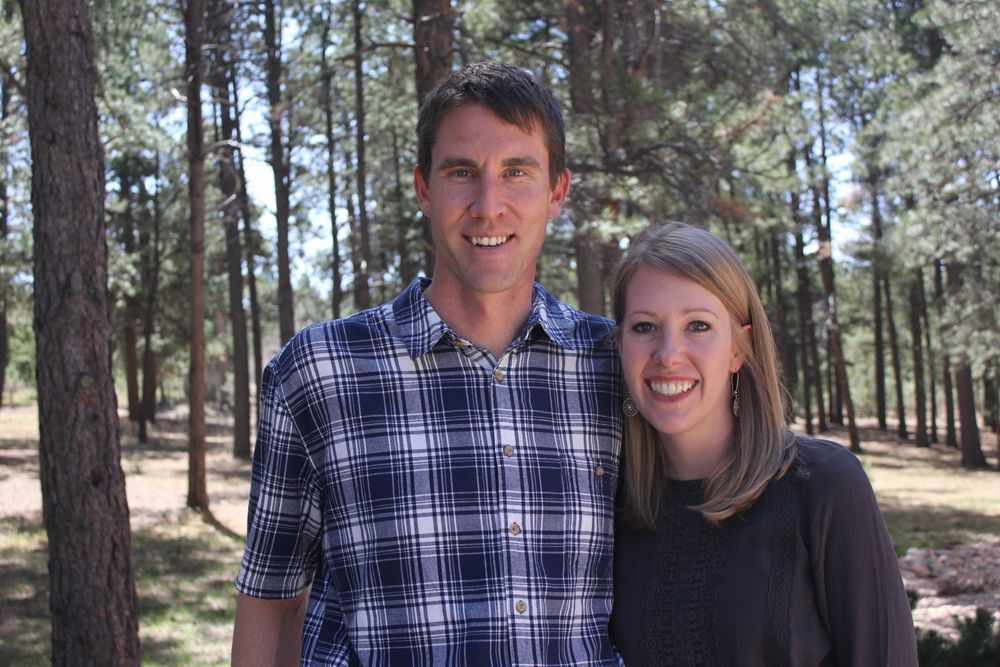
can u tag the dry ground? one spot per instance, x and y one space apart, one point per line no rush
944 520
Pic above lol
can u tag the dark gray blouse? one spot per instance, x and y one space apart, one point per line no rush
807 577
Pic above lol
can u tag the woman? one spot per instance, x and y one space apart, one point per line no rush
738 543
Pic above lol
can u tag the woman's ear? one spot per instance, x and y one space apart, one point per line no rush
743 341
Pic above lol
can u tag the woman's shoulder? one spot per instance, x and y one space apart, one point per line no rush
826 468
829 473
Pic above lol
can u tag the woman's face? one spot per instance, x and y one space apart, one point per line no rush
678 354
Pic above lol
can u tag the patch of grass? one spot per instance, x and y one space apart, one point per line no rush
184 570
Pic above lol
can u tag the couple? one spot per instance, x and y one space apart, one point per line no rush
435 479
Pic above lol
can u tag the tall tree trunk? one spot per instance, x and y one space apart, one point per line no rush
825 253
951 434
5 261
130 334
151 278
897 367
433 25
991 407
916 341
362 295
790 369
194 38
92 598
803 293
972 451
931 370
834 388
249 242
221 13
580 27
279 165
971 447
804 300
337 295
353 237
433 28
407 272
816 385
880 395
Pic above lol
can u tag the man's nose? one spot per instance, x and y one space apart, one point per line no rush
487 202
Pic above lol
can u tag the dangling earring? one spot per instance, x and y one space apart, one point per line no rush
736 394
628 407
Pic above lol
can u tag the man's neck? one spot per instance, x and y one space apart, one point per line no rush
487 320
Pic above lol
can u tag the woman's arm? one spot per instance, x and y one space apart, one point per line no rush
860 591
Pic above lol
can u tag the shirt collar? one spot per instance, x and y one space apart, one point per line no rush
420 328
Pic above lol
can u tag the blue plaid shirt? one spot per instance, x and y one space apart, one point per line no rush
447 507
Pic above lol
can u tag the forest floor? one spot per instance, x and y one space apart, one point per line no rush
945 523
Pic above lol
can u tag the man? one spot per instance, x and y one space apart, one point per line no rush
434 478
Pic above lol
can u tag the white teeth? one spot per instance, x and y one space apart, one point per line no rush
671 388
488 240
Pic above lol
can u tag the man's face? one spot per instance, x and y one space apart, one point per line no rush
488 198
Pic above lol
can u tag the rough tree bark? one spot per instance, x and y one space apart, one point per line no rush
221 18
362 294
581 30
825 254
5 89
916 343
931 369
279 165
130 337
92 597
804 302
897 367
971 446
813 345
433 27
249 242
951 434
353 237
337 295
151 278
789 367
880 396
194 39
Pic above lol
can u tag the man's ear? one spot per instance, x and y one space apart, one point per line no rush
421 189
743 341
559 193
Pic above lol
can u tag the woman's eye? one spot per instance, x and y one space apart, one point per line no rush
642 327
698 326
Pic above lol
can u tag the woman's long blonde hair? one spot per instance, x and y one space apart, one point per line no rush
764 449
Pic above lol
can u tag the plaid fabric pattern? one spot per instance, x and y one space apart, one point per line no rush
447 507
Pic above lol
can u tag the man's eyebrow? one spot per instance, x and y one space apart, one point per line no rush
526 161
452 162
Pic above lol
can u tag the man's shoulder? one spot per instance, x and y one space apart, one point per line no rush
364 330
580 328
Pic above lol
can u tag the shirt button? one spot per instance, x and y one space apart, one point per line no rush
521 606
599 471
499 375
508 450
515 529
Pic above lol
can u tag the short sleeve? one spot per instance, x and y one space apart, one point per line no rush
859 588
284 520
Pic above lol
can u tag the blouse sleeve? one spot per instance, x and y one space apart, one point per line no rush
859 588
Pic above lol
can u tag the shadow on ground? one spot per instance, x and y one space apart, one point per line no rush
184 570
929 526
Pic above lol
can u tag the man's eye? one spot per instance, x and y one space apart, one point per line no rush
699 326
516 171
460 173
642 327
